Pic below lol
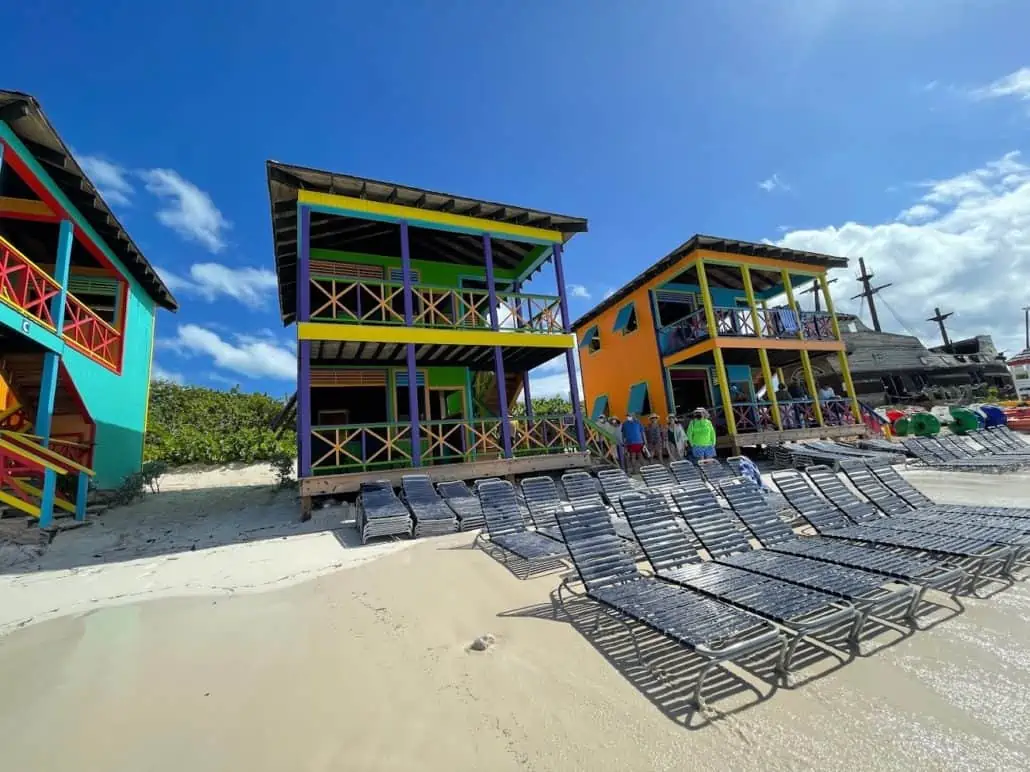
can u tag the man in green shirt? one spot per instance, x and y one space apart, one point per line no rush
701 435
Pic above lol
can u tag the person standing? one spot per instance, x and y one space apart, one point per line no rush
633 436
784 399
654 437
701 435
677 439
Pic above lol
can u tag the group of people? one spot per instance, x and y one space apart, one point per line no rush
655 441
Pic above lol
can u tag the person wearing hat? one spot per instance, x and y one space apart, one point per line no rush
633 436
654 437
701 435
677 442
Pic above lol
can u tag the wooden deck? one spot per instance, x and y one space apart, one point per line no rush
791 435
325 485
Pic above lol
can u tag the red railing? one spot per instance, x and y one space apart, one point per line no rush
26 286
90 334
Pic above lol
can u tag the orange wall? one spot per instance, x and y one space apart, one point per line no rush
623 360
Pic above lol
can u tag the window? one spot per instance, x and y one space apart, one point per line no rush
600 408
626 320
639 401
591 340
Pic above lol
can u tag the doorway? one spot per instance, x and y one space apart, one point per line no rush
690 389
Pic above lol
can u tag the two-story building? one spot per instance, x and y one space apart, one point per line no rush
715 324
77 307
415 333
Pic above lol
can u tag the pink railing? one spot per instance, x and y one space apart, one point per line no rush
25 285
87 332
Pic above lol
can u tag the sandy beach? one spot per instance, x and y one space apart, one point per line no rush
307 653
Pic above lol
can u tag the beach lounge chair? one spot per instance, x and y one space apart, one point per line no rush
673 554
381 513
686 473
868 485
658 478
713 470
988 556
774 534
464 503
614 482
837 493
713 630
543 503
507 529
1012 439
725 543
899 486
432 515
582 490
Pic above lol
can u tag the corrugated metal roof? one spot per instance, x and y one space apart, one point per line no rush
26 118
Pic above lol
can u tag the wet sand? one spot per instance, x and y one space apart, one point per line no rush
369 669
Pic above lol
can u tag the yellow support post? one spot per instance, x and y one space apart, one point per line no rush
706 299
724 390
842 356
770 392
789 289
763 355
806 365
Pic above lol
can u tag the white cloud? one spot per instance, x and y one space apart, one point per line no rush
609 292
188 210
917 212
579 291
551 379
110 179
1015 84
774 183
971 256
158 373
253 287
257 357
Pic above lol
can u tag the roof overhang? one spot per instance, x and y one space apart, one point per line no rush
23 114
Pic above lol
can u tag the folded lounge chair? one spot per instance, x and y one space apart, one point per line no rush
774 534
713 630
464 503
724 542
381 513
507 529
673 553
432 515
544 503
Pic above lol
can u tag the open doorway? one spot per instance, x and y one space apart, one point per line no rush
690 389
447 435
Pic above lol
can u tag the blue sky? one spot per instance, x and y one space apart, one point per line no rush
856 128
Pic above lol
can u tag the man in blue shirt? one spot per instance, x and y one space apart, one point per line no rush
633 434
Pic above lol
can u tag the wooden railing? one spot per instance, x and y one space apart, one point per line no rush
737 322
30 290
757 415
364 447
352 300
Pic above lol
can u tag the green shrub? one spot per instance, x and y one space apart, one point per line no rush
198 425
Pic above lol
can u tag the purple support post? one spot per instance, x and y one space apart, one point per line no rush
502 392
570 357
304 347
518 323
529 398
416 434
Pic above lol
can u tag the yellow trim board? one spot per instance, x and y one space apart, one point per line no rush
23 440
381 209
31 456
429 335
689 353
14 501
9 205
32 490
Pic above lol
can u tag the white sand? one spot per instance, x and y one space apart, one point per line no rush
368 668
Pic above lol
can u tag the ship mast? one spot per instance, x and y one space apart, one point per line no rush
814 290
868 290
939 318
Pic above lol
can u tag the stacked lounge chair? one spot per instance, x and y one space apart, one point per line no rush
507 530
381 513
773 534
432 514
936 456
986 556
544 504
726 544
464 503
715 631
673 553
1012 439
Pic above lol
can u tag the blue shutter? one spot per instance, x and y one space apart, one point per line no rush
637 394
588 336
420 378
600 406
397 274
625 314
